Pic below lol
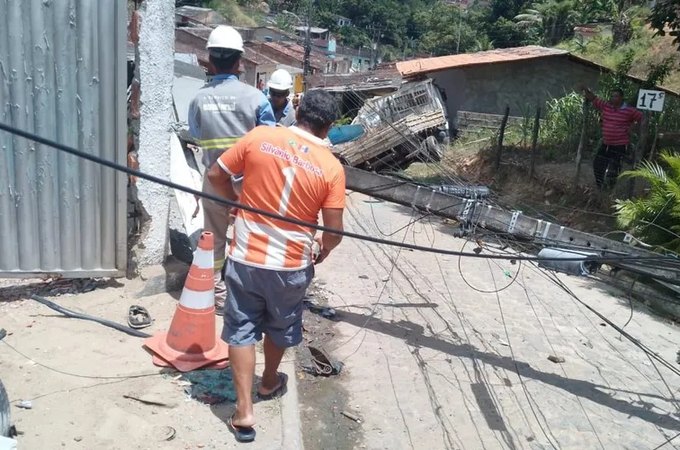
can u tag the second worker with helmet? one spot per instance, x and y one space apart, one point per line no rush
279 86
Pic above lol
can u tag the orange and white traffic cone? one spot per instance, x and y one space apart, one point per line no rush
191 342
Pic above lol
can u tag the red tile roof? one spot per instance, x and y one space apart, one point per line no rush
381 78
297 52
427 65
184 44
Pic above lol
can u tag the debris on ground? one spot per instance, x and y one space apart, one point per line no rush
351 416
323 311
210 386
322 364
149 400
55 287
25 404
556 359
165 433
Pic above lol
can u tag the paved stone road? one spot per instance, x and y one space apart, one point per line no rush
429 363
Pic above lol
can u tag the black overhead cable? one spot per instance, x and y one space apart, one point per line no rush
234 204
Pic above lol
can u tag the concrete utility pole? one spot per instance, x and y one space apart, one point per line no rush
156 42
308 45
375 43
469 209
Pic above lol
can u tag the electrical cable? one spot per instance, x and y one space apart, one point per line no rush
514 360
531 404
70 374
408 225
578 399
374 309
552 277
485 291
630 301
424 216
276 216
666 442
76 315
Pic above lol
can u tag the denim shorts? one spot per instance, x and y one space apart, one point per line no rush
264 301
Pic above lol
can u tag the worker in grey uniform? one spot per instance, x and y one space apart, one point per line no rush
278 87
222 112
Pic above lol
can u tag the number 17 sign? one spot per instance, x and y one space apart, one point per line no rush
651 100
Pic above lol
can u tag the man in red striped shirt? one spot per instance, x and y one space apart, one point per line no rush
617 118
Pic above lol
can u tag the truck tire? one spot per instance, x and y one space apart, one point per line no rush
4 412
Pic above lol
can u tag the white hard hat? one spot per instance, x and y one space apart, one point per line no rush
280 81
225 37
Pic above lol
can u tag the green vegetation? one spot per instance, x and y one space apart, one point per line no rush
655 218
562 127
238 13
666 15
407 28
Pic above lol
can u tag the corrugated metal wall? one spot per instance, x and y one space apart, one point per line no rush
62 76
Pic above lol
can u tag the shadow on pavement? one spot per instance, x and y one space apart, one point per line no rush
413 335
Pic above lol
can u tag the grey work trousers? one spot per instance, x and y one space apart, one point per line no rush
216 220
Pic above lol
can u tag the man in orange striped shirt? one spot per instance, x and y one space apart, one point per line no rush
290 172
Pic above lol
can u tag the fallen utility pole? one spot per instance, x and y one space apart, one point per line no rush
515 223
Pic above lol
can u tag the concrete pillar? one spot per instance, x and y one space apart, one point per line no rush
156 67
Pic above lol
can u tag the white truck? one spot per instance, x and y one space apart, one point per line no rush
406 126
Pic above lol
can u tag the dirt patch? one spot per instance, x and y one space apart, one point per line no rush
553 194
323 399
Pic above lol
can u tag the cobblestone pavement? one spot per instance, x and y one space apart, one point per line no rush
432 363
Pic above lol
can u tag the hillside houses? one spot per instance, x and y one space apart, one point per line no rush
267 48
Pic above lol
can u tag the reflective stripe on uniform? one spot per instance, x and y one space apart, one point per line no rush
218 144
218 264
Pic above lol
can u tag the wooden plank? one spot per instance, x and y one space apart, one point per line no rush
496 219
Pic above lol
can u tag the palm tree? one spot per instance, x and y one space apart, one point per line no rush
622 26
555 19
655 219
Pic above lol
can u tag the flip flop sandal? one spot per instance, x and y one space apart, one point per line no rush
279 391
242 434
138 317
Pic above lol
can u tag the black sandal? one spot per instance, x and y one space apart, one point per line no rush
242 434
281 389
138 317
